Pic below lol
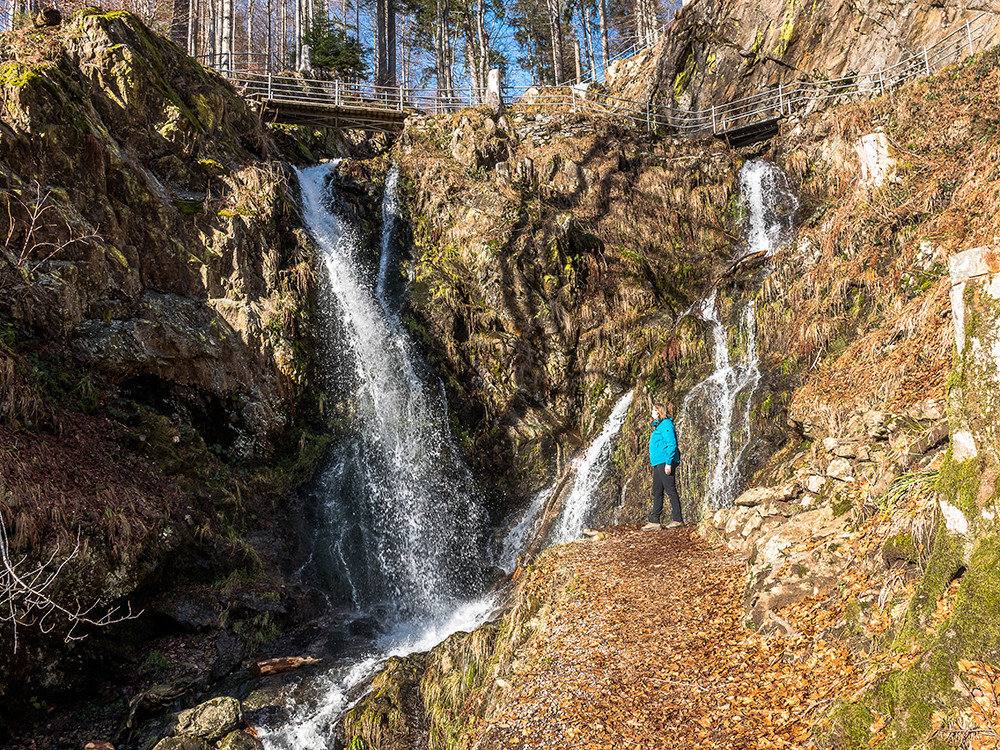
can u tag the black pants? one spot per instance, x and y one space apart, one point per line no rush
663 481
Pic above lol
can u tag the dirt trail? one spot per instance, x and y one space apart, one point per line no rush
645 649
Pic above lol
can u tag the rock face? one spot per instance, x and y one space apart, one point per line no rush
541 288
212 724
717 51
165 260
210 720
156 309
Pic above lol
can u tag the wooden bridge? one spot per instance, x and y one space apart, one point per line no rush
297 100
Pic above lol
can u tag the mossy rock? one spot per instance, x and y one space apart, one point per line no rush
212 719
182 743
900 547
240 741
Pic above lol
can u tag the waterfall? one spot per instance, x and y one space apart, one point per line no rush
407 520
589 470
722 401
388 276
770 205
519 537
401 529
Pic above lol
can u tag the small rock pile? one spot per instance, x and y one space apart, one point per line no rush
793 533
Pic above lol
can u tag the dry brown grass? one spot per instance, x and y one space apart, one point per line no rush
867 315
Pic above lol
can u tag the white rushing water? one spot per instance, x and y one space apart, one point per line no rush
770 206
402 526
723 399
522 533
589 470
386 267
717 399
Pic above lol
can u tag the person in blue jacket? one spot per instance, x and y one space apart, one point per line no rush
664 457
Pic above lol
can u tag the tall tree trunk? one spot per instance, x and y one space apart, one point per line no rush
191 27
268 43
385 33
602 10
576 59
297 33
588 41
441 48
484 50
249 50
555 26
471 61
179 22
390 42
227 34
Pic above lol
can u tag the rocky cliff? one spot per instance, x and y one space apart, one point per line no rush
552 258
156 306
718 51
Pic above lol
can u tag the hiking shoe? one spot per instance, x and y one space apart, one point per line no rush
673 525
652 527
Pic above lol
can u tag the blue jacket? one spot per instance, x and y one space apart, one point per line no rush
663 444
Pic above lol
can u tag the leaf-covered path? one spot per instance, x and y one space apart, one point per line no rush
645 648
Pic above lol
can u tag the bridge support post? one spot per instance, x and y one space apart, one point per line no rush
649 125
968 33
270 78
927 62
881 82
572 91
400 98
715 128
781 102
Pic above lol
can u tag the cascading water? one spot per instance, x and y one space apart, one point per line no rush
589 470
722 401
387 288
402 527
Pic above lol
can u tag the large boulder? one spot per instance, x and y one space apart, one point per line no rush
211 720
181 743
240 741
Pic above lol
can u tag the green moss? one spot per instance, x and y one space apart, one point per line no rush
18 75
683 78
787 28
841 504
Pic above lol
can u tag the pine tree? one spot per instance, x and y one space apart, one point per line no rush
332 50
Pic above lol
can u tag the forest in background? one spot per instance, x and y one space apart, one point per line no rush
446 45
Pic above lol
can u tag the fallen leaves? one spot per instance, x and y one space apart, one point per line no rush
644 647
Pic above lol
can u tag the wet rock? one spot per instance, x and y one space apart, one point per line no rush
98 745
210 720
229 652
365 627
240 741
191 613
